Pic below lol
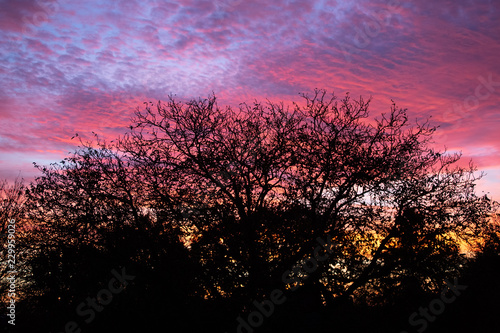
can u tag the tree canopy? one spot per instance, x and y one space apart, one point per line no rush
213 205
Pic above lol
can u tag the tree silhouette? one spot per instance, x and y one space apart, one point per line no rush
210 206
11 208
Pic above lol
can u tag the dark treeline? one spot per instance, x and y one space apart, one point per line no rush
201 215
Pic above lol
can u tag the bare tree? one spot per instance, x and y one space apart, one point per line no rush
372 182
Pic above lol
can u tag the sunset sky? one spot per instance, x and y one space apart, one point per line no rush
79 66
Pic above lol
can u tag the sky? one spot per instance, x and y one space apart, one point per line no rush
71 67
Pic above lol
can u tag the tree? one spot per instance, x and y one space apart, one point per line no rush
243 194
348 177
90 215
13 228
